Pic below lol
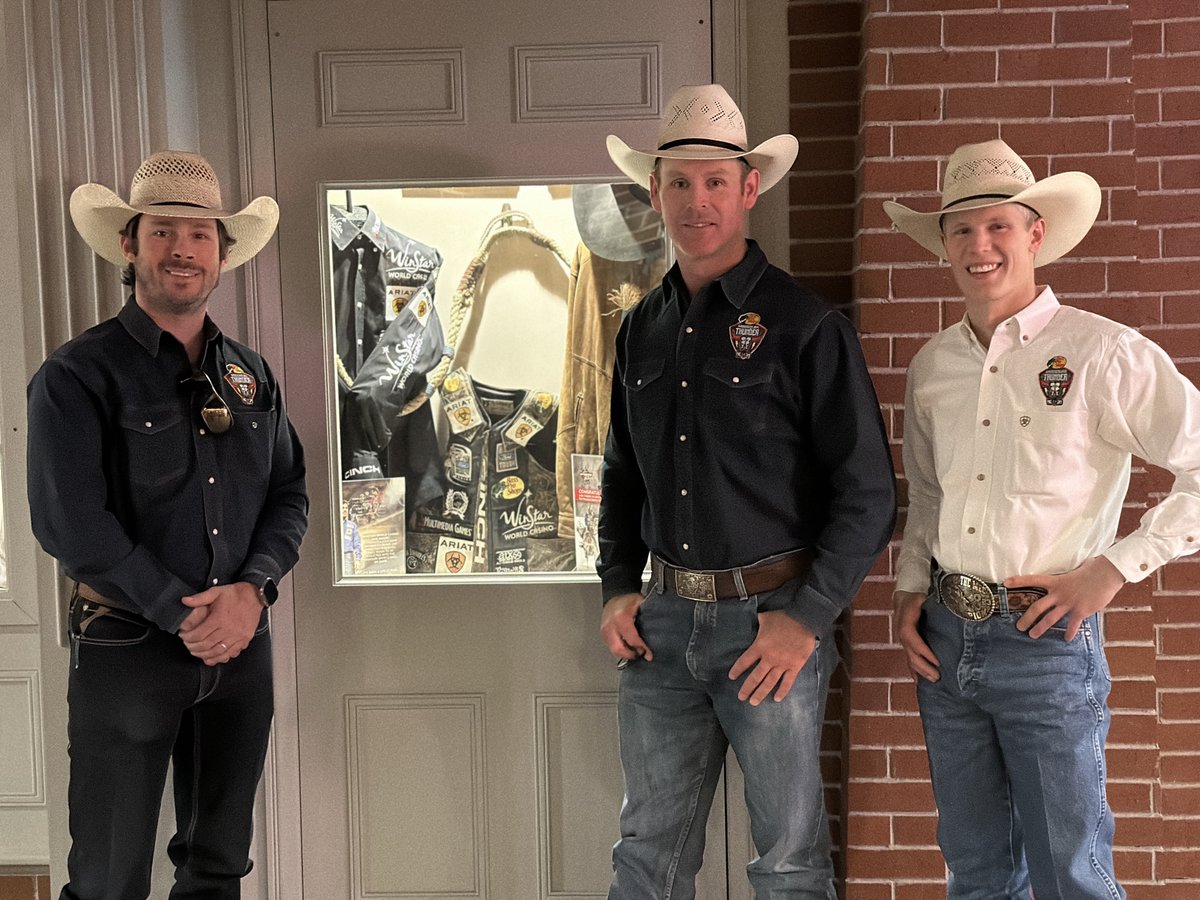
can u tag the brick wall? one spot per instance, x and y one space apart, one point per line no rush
1110 88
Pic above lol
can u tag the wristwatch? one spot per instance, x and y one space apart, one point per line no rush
268 593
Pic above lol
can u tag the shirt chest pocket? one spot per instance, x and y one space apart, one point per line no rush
737 394
645 393
155 445
1049 447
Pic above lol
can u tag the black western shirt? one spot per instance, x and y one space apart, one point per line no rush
745 424
129 490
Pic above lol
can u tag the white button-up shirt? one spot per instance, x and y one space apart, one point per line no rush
1018 454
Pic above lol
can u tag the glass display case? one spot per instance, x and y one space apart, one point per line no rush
471 332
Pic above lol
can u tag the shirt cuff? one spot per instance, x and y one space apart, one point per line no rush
1134 557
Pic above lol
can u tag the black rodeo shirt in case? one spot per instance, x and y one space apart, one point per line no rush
499 512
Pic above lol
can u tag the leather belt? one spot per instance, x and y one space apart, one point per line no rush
974 599
710 585
88 605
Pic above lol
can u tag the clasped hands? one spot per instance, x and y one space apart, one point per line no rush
222 621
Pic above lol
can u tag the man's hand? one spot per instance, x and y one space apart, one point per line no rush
1075 594
921 660
618 627
778 653
222 622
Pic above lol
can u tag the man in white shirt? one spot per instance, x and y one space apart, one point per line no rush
1019 425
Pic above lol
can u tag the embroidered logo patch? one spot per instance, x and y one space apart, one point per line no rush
747 334
1055 380
242 382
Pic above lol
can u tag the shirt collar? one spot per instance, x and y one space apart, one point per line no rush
344 228
146 332
1029 321
736 284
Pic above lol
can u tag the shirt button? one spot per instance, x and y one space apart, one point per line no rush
683 384
211 480
993 369
971 530
683 437
1024 337
683 492
214 581
1143 567
980 477
202 431
688 329
215 531
686 547
639 381
736 380
149 424
987 422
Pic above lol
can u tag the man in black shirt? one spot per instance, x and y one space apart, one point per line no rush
167 481
747 460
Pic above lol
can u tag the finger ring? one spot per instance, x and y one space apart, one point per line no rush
223 647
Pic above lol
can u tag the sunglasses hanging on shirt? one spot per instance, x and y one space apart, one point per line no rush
214 412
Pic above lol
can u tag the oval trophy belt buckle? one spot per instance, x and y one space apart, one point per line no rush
966 596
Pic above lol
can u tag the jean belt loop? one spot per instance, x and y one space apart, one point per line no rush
659 584
740 584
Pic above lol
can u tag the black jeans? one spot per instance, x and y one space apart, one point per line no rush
138 700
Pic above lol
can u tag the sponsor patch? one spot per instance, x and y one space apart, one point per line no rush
243 383
747 334
1055 380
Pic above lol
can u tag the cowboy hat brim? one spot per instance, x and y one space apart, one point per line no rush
100 215
1068 201
773 158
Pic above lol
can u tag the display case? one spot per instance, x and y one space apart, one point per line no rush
471 333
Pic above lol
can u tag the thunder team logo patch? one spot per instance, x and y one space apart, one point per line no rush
243 383
1055 380
747 334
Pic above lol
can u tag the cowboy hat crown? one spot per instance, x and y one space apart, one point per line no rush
170 183
703 122
991 173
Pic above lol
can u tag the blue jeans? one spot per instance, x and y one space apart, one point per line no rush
678 714
138 701
1015 730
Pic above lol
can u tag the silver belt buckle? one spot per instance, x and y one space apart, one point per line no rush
698 586
966 596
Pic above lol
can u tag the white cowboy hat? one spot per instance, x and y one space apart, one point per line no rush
988 174
703 122
170 183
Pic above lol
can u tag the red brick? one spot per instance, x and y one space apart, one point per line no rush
923 5
1165 140
939 140
944 67
1053 64
1129 797
902 104
867 891
1147 38
1050 138
824 18
1180 801
1012 29
1147 107
1177 105
1130 763
1172 864
914 831
900 176
886 731
1180 641
1093 26
1180 768
1134 729
824 50
903 31
869 831
895 864
1167 71
1106 99
1167 209
824 86
908 765
1179 706
892 317
1182 36
1132 695
998 102
832 120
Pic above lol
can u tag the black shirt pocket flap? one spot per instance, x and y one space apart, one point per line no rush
736 373
644 374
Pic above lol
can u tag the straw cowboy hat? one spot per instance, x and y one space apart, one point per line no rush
703 122
988 174
170 183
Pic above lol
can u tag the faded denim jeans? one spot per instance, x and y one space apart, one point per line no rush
1015 730
678 714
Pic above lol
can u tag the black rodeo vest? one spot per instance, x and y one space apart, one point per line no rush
499 511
